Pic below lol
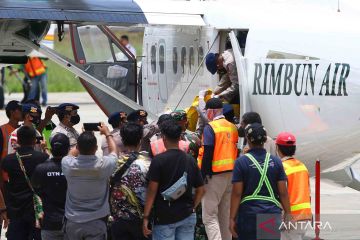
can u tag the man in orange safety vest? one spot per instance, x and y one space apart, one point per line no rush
298 186
216 160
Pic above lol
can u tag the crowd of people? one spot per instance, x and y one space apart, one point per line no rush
154 180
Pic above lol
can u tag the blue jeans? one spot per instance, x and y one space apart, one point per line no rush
36 82
182 230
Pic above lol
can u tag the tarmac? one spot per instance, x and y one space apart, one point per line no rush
340 206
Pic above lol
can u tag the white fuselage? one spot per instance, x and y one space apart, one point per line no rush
301 73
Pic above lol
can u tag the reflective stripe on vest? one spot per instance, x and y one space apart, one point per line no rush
300 206
35 67
263 179
158 146
298 189
225 149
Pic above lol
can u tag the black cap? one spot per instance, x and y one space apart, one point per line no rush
31 108
60 145
137 115
13 105
116 117
214 103
60 140
256 133
68 107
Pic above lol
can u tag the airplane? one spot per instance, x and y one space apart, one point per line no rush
297 61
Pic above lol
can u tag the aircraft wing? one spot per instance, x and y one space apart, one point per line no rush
109 12
98 11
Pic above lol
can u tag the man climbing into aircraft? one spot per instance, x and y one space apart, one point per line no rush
224 63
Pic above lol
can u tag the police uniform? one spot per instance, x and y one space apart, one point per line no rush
70 132
229 82
115 120
26 108
149 129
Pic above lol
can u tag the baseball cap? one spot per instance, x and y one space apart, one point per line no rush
13 105
286 139
256 132
116 117
67 107
179 115
214 103
60 144
31 108
137 115
210 62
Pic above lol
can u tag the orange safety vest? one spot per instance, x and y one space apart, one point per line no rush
225 149
35 67
6 131
298 189
158 146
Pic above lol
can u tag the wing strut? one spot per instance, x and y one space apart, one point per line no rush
72 67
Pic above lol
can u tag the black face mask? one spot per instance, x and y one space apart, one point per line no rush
36 121
75 119
241 132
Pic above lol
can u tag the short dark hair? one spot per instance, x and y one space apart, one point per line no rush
131 134
287 150
163 118
86 143
171 130
251 117
26 136
125 37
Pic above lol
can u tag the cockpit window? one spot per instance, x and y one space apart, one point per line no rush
95 44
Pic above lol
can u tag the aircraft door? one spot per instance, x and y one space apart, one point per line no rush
101 55
162 81
242 74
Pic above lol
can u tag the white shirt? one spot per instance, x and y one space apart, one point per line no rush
131 49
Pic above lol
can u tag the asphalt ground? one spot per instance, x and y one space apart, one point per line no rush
340 206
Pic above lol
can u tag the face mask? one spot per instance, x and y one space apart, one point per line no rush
241 131
75 119
36 121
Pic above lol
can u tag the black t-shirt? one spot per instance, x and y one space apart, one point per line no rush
166 168
50 183
18 195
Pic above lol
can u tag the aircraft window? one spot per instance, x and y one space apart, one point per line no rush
119 55
200 58
162 58
175 60
95 45
183 59
153 59
191 60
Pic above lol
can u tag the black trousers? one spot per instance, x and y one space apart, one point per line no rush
22 229
127 230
